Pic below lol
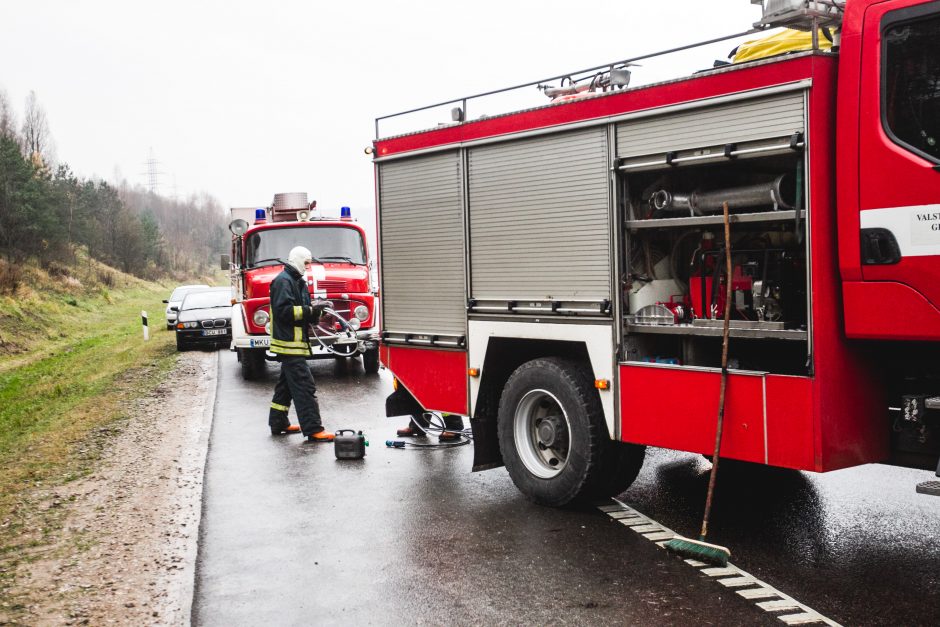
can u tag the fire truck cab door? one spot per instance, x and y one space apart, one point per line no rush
899 144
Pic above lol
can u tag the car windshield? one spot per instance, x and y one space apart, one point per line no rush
180 292
326 243
207 299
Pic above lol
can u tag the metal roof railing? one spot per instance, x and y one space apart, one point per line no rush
582 74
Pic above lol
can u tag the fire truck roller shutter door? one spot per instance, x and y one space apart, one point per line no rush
422 240
540 218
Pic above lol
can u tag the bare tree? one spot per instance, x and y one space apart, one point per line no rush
37 141
7 117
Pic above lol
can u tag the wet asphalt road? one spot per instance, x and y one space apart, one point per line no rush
292 536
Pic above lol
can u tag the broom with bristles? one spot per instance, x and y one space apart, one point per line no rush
699 549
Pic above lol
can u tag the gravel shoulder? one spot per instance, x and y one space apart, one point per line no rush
126 554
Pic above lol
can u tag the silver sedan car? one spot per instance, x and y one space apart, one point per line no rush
176 299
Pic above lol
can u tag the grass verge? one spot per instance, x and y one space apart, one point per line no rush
63 394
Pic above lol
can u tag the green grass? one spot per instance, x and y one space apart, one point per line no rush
103 346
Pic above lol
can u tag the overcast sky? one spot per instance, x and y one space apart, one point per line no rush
243 99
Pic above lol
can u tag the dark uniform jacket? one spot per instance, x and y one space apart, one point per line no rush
291 312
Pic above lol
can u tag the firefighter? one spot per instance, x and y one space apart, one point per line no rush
291 312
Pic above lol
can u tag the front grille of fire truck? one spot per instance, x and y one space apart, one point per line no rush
332 285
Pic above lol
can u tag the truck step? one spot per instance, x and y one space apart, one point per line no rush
932 402
929 487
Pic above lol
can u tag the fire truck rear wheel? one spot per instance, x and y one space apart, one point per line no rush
370 360
552 433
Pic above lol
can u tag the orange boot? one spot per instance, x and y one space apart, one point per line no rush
321 436
286 430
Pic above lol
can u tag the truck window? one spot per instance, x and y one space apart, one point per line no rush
911 83
329 244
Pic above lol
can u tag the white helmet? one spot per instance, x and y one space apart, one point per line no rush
298 257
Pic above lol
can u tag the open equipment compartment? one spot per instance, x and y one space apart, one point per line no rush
674 172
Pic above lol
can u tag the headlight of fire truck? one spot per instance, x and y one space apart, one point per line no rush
354 324
260 317
362 313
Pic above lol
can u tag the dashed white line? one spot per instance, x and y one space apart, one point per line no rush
758 593
737 582
657 537
753 589
773 606
720 572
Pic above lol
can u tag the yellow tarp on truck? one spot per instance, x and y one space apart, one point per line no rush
787 40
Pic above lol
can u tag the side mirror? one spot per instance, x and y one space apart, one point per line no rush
225 262
166 302
174 308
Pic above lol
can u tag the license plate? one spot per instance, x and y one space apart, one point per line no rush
214 332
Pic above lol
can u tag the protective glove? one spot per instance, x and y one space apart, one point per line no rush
317 307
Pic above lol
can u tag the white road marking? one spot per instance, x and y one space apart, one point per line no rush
758 593
764 596
659 536
633 522
621 515
804 618
647 528
737 582
773 606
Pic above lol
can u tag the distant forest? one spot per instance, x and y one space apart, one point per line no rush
47 213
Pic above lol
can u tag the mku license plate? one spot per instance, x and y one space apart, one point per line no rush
214 332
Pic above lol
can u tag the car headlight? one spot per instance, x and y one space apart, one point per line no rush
361 312
354 324
267 328
260 317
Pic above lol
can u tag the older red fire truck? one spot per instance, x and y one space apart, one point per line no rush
261 239
557 274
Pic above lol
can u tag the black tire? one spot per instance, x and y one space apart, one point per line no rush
180 345
553 437
370 360
252 361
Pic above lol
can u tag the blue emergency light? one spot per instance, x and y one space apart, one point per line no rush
260 216
345 213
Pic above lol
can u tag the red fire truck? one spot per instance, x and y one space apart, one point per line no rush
557 273
261 239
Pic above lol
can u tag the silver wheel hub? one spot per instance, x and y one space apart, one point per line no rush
542 433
